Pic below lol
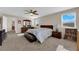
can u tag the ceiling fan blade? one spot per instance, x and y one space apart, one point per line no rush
34 11
27 11
36 14
31 11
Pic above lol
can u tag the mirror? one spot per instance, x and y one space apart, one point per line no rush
27 23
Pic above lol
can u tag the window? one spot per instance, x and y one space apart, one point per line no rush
69 20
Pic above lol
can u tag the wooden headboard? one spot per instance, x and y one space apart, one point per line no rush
47 26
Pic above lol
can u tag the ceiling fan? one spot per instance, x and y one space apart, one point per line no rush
32 12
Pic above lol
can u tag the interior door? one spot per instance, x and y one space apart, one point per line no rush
4 23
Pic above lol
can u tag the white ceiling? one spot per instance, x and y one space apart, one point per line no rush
19 11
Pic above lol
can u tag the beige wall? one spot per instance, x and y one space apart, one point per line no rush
55 19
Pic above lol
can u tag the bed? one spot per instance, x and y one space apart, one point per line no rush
39 34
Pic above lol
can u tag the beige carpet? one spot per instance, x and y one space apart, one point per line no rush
19 43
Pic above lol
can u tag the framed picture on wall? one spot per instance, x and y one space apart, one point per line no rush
19 21
69 20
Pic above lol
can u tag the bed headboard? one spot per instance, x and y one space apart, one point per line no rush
47 26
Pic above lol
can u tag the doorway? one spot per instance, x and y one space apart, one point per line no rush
13 26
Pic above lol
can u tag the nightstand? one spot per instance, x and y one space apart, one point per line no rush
56 34
24 29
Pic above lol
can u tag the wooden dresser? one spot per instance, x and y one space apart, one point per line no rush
78 41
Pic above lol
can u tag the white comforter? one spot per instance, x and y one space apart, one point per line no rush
41 33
